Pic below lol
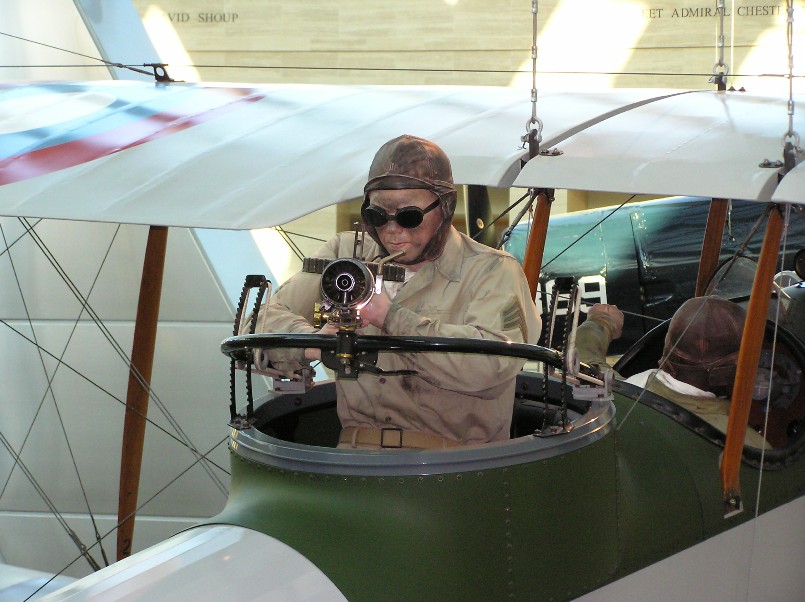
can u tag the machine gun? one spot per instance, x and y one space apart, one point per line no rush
347 285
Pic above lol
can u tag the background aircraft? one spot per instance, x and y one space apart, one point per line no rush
644 257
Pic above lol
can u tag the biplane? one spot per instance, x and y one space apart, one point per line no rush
638 499
636 480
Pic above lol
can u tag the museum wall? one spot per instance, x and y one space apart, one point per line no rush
477 42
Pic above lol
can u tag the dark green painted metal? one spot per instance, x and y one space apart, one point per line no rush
475 536
669 487
547 530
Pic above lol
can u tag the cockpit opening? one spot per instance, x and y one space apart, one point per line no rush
310 418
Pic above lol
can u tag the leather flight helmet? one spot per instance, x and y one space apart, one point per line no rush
408 162
701 347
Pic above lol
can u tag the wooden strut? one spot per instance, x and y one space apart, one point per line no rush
139 387
711 246
748 359
535 247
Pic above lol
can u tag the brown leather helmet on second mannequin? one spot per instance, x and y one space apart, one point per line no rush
409 162
701 347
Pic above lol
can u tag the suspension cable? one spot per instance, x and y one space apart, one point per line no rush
720 69
732 34
791 136
533 126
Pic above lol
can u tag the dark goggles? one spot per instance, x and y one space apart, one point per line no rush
406 217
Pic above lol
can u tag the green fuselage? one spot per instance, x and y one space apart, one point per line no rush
535 518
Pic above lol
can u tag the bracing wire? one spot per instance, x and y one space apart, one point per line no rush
29 230
139 507
41 492
778 304
593 227
26 230
107 393
291 244
105 64
119 350
500 216
300 235
49 390
72 534
49 503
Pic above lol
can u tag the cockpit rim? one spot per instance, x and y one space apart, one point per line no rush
254 445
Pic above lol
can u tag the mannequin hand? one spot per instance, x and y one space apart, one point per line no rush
375 311
610 315
314 355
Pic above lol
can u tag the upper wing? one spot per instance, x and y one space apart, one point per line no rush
238 157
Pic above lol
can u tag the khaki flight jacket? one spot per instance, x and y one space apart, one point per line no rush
470 291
